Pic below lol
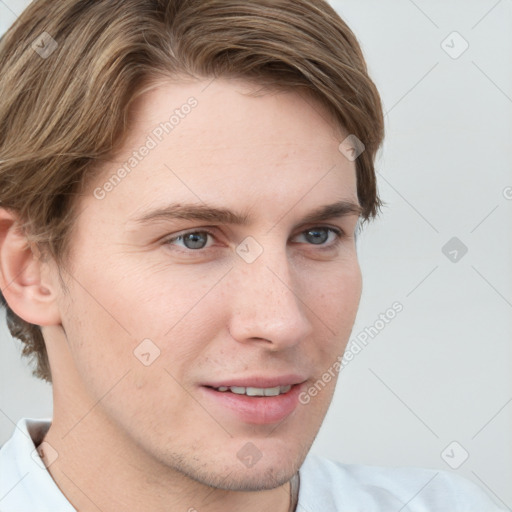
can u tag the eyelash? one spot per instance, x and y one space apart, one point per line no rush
338 233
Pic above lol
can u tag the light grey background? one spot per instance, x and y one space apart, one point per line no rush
441 371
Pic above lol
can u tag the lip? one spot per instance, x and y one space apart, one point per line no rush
253 410
259 381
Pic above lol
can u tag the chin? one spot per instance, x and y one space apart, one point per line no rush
236 471
237 478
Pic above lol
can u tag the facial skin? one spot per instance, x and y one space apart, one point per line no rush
135 437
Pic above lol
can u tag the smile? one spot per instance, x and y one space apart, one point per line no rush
253 405
239 390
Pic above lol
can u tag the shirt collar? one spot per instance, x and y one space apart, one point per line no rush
26 483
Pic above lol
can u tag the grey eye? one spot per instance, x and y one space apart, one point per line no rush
195 240
317 236
191 240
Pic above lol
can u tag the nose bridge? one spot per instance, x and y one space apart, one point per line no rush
266 302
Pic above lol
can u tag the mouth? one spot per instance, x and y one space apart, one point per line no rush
252 391
256 404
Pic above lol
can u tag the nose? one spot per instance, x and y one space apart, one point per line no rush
268 303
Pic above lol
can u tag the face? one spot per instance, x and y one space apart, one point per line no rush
166 302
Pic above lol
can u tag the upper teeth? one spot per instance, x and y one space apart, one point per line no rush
256 391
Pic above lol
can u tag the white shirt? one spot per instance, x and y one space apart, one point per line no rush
325 485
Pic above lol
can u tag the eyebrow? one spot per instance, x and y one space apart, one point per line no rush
209 213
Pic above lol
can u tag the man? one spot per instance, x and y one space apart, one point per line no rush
181 186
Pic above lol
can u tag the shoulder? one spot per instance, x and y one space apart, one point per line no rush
329 485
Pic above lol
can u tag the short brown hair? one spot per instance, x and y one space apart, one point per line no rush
61 114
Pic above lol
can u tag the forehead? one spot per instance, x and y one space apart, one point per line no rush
215 116
215 141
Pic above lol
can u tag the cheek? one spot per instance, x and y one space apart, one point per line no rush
160 299
334 297
334 294
98 321
128 316
96 336
120 358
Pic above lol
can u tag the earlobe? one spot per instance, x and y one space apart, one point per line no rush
24 279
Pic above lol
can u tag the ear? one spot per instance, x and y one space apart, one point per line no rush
26 282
